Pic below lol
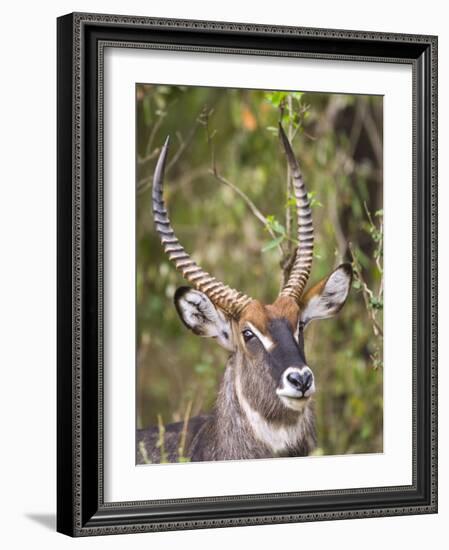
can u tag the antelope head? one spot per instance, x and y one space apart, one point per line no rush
272 375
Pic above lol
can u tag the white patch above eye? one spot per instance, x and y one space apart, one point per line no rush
299 325
265 340
203 318
332 297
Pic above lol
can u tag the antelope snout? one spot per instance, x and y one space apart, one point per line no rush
296 383
300 380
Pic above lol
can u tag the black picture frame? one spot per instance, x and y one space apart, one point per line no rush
81 509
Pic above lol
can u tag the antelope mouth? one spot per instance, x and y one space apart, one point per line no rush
295 403
290 395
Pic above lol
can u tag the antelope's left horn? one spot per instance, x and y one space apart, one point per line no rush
302 266
229 300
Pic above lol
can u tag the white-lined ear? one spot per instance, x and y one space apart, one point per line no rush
327 297
200 315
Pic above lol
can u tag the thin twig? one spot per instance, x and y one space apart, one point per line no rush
368 214
156 126
151 156
143 184
253 208
379 242
248 201
366 292
186 142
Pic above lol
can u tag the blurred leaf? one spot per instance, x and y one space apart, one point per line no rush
272 244
274 224
314 202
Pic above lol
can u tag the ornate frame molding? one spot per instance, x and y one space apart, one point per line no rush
81 42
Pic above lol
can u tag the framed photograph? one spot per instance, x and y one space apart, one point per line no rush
247 274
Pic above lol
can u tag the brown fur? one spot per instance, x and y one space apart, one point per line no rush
259 314
315 290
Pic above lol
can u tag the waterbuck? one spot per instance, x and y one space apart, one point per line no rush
264 406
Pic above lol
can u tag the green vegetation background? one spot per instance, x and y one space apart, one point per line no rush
226 138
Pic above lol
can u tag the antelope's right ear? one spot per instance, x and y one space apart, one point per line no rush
327 297
200 315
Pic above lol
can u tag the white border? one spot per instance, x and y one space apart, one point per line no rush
122 479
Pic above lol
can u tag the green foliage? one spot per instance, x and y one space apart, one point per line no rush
314 202
275 228
233 134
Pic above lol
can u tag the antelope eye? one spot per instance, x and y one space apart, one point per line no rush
247 335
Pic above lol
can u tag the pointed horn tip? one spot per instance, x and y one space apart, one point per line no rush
286 143
282 132
163 150
166 143
160 167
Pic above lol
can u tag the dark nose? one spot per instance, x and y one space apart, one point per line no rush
300 381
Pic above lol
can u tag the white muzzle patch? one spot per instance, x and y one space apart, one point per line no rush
297 383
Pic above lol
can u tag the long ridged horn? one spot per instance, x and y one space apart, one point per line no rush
229 300
300 271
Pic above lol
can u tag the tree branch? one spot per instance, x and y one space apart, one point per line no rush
199 121
366 292
253 208
142 184
257 213
153 133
